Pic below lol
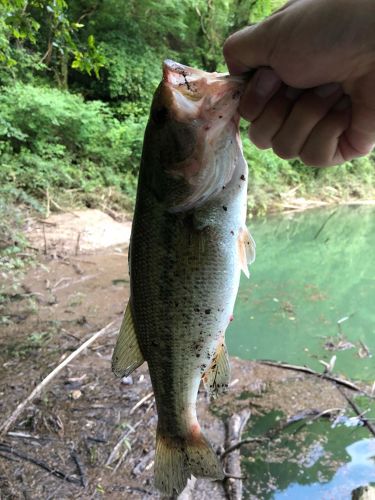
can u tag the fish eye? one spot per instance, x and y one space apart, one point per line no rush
160 115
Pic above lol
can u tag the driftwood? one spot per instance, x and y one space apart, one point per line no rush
364 493
305 369
232 462
7 424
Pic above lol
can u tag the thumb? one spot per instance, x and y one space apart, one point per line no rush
247 49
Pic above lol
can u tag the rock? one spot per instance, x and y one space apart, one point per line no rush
364 493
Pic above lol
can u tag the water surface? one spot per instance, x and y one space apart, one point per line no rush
311 293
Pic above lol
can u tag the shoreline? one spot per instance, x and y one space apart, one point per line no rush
301 204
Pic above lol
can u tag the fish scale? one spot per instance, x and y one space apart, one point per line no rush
189 242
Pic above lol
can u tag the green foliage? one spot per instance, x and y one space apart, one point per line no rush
132 74
45 30
68 143
76 83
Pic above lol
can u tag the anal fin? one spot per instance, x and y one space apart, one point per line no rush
127 355
217 377
246 249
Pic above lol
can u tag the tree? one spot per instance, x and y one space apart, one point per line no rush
45 30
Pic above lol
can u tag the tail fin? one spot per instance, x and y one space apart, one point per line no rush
176 459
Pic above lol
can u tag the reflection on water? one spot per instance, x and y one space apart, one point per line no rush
308 462
359 471
311 293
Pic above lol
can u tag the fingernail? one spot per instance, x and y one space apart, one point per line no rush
267 82
292 93
344 103
327 90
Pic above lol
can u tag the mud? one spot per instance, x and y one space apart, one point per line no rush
90 427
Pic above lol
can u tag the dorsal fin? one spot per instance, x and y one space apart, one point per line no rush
127 355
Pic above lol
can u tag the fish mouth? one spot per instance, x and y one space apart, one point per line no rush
189 81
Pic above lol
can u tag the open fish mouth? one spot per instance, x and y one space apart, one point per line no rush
194 82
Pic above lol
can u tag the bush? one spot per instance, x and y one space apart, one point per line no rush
50 138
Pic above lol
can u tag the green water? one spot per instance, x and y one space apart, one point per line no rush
311 295
312 270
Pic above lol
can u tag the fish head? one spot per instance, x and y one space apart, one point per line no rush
193 119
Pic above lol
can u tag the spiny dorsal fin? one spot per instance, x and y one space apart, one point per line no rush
127 355
217 377
246 249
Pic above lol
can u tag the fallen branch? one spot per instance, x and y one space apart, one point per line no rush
272 433
80 468
4 448
5 426
305 369
237 445
140 402
233 480
115 453
358 412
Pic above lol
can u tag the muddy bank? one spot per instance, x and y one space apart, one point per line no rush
90 435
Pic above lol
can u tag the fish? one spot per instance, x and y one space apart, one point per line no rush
188 244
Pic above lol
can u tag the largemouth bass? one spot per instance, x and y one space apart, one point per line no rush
189 243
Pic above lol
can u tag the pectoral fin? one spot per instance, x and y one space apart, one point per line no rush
127 355
217 377
246 249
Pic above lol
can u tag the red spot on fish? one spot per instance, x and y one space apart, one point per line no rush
195 430
231 318
207 127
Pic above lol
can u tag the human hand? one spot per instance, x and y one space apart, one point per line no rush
313 96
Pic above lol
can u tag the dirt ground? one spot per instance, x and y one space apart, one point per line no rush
90 435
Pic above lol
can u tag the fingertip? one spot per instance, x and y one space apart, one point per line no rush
261 141
349 151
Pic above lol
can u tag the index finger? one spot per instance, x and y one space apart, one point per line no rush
247 49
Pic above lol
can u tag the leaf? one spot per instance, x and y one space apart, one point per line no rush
91 41
76 64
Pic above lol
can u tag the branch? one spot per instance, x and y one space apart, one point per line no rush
358 412
4 448
5 426
305 369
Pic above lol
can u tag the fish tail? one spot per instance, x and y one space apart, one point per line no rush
177 458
